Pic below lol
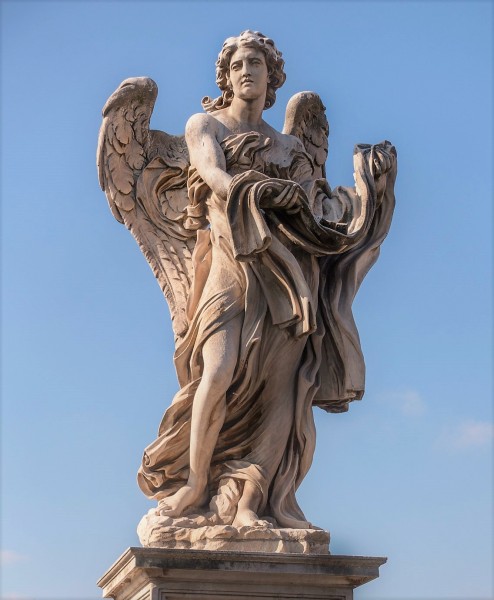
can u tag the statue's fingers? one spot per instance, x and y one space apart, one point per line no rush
294 210
294 207
382 162
276 186
377 165
293 200
280 200
292 195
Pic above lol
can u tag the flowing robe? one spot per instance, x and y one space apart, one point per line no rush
291 278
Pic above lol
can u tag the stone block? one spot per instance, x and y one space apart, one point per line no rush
164 574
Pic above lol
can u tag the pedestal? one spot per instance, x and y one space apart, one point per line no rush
163 574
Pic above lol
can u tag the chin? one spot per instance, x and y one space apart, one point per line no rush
249 95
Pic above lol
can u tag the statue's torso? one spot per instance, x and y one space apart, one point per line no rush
277 156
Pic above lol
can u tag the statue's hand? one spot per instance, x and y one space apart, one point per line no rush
284 195
382 163
382 160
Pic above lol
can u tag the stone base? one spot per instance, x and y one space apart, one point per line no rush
161 574
184 534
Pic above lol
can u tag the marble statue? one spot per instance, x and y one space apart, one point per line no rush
259 261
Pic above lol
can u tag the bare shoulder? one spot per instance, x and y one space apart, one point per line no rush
200 124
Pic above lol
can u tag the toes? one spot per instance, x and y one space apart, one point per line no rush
164 508
262 523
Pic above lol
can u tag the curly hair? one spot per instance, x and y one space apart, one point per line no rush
274 62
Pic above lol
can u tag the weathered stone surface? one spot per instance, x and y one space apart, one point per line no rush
157 574
190 533
259 261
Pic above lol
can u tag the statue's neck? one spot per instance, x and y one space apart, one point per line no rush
247 113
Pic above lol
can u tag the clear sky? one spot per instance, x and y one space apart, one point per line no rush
87 341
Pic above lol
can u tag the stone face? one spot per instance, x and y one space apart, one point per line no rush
259 261
152 574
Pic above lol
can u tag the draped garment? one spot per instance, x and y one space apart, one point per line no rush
291 278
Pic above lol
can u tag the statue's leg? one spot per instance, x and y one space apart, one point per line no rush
220 355
248 507
283 400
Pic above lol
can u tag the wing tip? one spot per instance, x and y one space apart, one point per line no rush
143 88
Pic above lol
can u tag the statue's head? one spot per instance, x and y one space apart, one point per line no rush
274 63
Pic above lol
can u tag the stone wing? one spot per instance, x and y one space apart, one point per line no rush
144 176
305 118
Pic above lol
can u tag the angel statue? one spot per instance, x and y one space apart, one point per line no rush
259 260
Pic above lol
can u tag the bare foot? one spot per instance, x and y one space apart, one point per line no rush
175 505
248 518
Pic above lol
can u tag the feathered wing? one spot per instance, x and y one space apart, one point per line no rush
305 118
144 176
342 373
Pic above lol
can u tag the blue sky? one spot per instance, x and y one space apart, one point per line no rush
87 340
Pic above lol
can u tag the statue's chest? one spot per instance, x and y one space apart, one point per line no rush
270 169
256 152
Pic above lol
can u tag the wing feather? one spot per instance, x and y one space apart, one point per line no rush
305 118
144 176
